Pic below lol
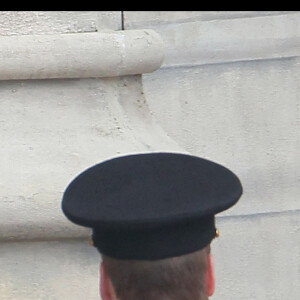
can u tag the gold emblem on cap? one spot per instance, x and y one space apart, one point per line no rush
91 242
217 233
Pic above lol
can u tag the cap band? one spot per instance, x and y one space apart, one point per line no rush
156 243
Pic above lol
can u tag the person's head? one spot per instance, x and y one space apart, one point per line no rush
186 277
153 218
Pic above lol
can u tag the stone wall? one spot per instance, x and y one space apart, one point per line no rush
227 90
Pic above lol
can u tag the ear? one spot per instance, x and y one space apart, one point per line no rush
210 276
106 288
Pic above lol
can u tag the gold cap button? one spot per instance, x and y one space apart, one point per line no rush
91 242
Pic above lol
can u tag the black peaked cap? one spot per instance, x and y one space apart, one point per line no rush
151 205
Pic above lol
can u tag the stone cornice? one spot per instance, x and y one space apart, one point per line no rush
80 55
231 40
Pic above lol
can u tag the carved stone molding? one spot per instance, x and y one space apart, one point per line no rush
80 55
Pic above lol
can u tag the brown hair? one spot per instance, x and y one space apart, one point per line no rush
176 278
